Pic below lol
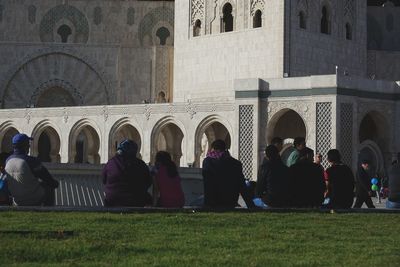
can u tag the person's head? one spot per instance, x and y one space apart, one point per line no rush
21 142
164 158
3 158
318 158
333 156
218 145
306 154
127 148
299 143
365 164
278 142
272 153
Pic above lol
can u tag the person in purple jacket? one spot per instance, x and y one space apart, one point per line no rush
126 178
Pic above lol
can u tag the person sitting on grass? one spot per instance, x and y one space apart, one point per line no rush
306 181
223 179
29 182
393 201
126 178
167 183
273 181
340 182
5 197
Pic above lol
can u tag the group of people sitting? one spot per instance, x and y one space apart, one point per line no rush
300 182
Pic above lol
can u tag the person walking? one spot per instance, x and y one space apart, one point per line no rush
223 179
29 182
126 178
363 186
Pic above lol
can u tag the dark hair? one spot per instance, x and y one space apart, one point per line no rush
218 145
164 158
365 161
277 141
306 154
299 141
127 148
3 158
334 156
272 153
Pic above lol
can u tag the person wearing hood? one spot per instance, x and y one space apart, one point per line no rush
126 178
223 179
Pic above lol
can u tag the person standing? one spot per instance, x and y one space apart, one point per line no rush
298 144
223 179
126 178
393 201
167 183
29 182
363 186
340 182
273 181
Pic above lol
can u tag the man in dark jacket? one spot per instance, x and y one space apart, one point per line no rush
340 182
29 182
273 181
363 186
126 178
223 179
393 201
306 181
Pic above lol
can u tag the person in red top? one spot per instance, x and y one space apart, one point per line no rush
167 189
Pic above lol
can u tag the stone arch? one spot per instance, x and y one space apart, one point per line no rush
348 31
84 143
86 89
66 13
168 135
227 15
257 19
7 131
302 20
197 28
123 129
209 130
156 16
46 142
370 150
286 124
374 128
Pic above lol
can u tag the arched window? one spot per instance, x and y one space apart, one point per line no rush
197 28
227 19
302 20
32 14
325 21
349 34
257 19
97 15
1 13
130 16
64 31
163 34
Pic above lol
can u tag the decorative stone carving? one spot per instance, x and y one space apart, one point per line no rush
152 19
197 10
256 5
105 113
349 8
147 111
190 109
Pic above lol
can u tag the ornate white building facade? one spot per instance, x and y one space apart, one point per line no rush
79 76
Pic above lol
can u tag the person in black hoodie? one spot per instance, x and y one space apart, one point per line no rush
340 181
306 181
363 186
273 181
223 179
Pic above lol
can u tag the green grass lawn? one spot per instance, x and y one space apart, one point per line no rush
169 239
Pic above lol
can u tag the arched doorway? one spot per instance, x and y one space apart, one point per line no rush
46 144
207 133
6 141
374 140
227 18
286 124
168 137
84 145
120 133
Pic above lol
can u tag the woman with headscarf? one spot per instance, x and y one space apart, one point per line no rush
126 178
